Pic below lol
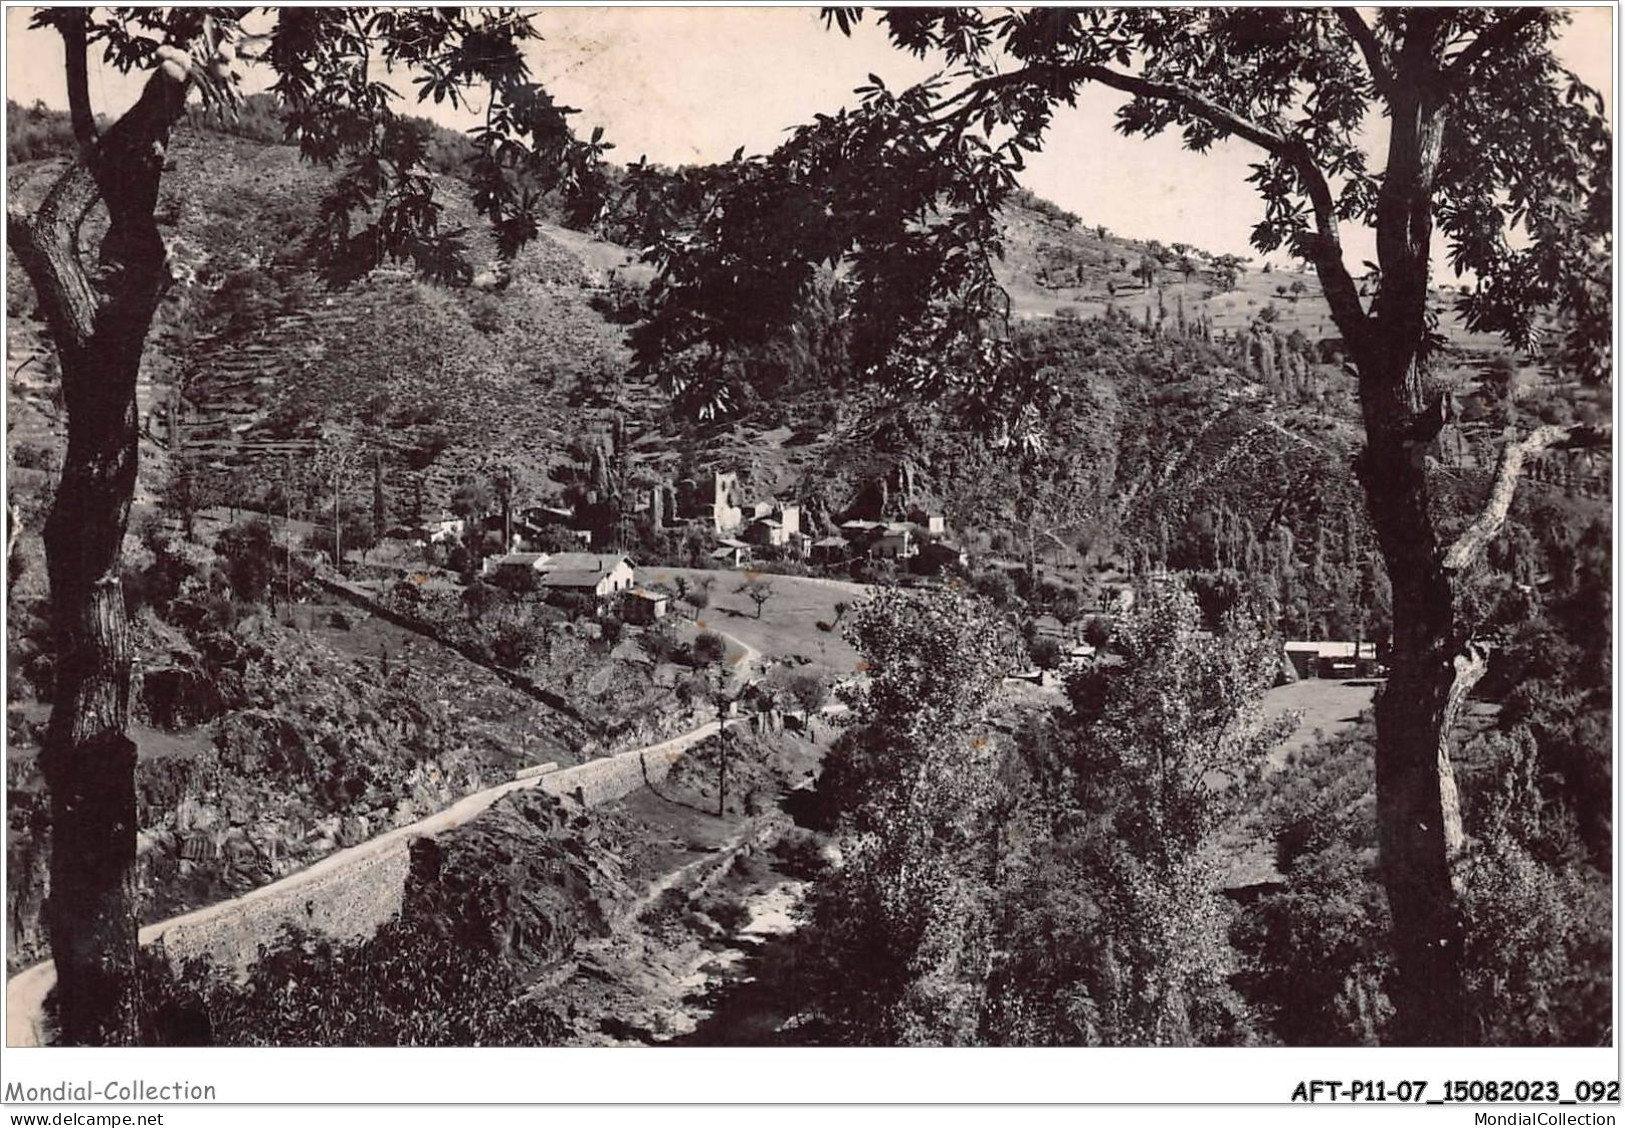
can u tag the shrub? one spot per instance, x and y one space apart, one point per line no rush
709 649
1046 653
808 691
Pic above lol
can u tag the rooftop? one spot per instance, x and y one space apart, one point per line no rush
583 561
1333 649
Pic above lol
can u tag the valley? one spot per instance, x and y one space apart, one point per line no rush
497 674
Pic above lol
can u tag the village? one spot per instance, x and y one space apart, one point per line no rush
555 552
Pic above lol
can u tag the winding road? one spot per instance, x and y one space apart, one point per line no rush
26 991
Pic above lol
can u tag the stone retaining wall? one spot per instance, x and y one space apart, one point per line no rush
350 904
365 890
368 603
349 894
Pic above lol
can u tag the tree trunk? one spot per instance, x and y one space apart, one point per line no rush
88 762
1419 819
98 322
1418 813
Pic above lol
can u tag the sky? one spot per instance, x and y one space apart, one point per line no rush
683 85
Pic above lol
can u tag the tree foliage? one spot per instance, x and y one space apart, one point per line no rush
899 931
329 67
1491 144
1119 847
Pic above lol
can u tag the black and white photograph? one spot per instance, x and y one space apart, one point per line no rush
673 528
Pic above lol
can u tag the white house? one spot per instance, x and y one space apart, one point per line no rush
894 541
602 575
447 528
1331 658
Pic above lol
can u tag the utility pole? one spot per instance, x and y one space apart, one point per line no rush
722 747
723 701
287 528
338 530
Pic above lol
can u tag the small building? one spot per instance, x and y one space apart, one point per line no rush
544 516
893 542
447 528
1332 658
731 553
830 550
789 515
767 533
643 606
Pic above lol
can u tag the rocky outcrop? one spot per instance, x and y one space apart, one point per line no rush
525 880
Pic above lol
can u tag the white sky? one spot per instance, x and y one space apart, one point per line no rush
683 85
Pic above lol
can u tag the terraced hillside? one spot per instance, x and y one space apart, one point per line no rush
272 387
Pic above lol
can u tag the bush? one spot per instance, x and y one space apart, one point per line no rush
513 640
357 534
709 649
248 555
519 581
808 692
1046 654
1097 630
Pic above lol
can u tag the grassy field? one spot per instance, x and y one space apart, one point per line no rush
1326 707
788 627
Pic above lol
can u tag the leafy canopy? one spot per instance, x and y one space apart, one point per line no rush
898 197
331 70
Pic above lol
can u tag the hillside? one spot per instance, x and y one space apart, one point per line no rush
1197 402
293 696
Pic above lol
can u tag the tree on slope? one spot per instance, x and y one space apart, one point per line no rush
898 936
1487 138
99 309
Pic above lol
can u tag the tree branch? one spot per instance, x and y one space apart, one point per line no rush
72 25
1509 468
1326 250
1376 60
1470 667
1503 34
47 243
121 170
